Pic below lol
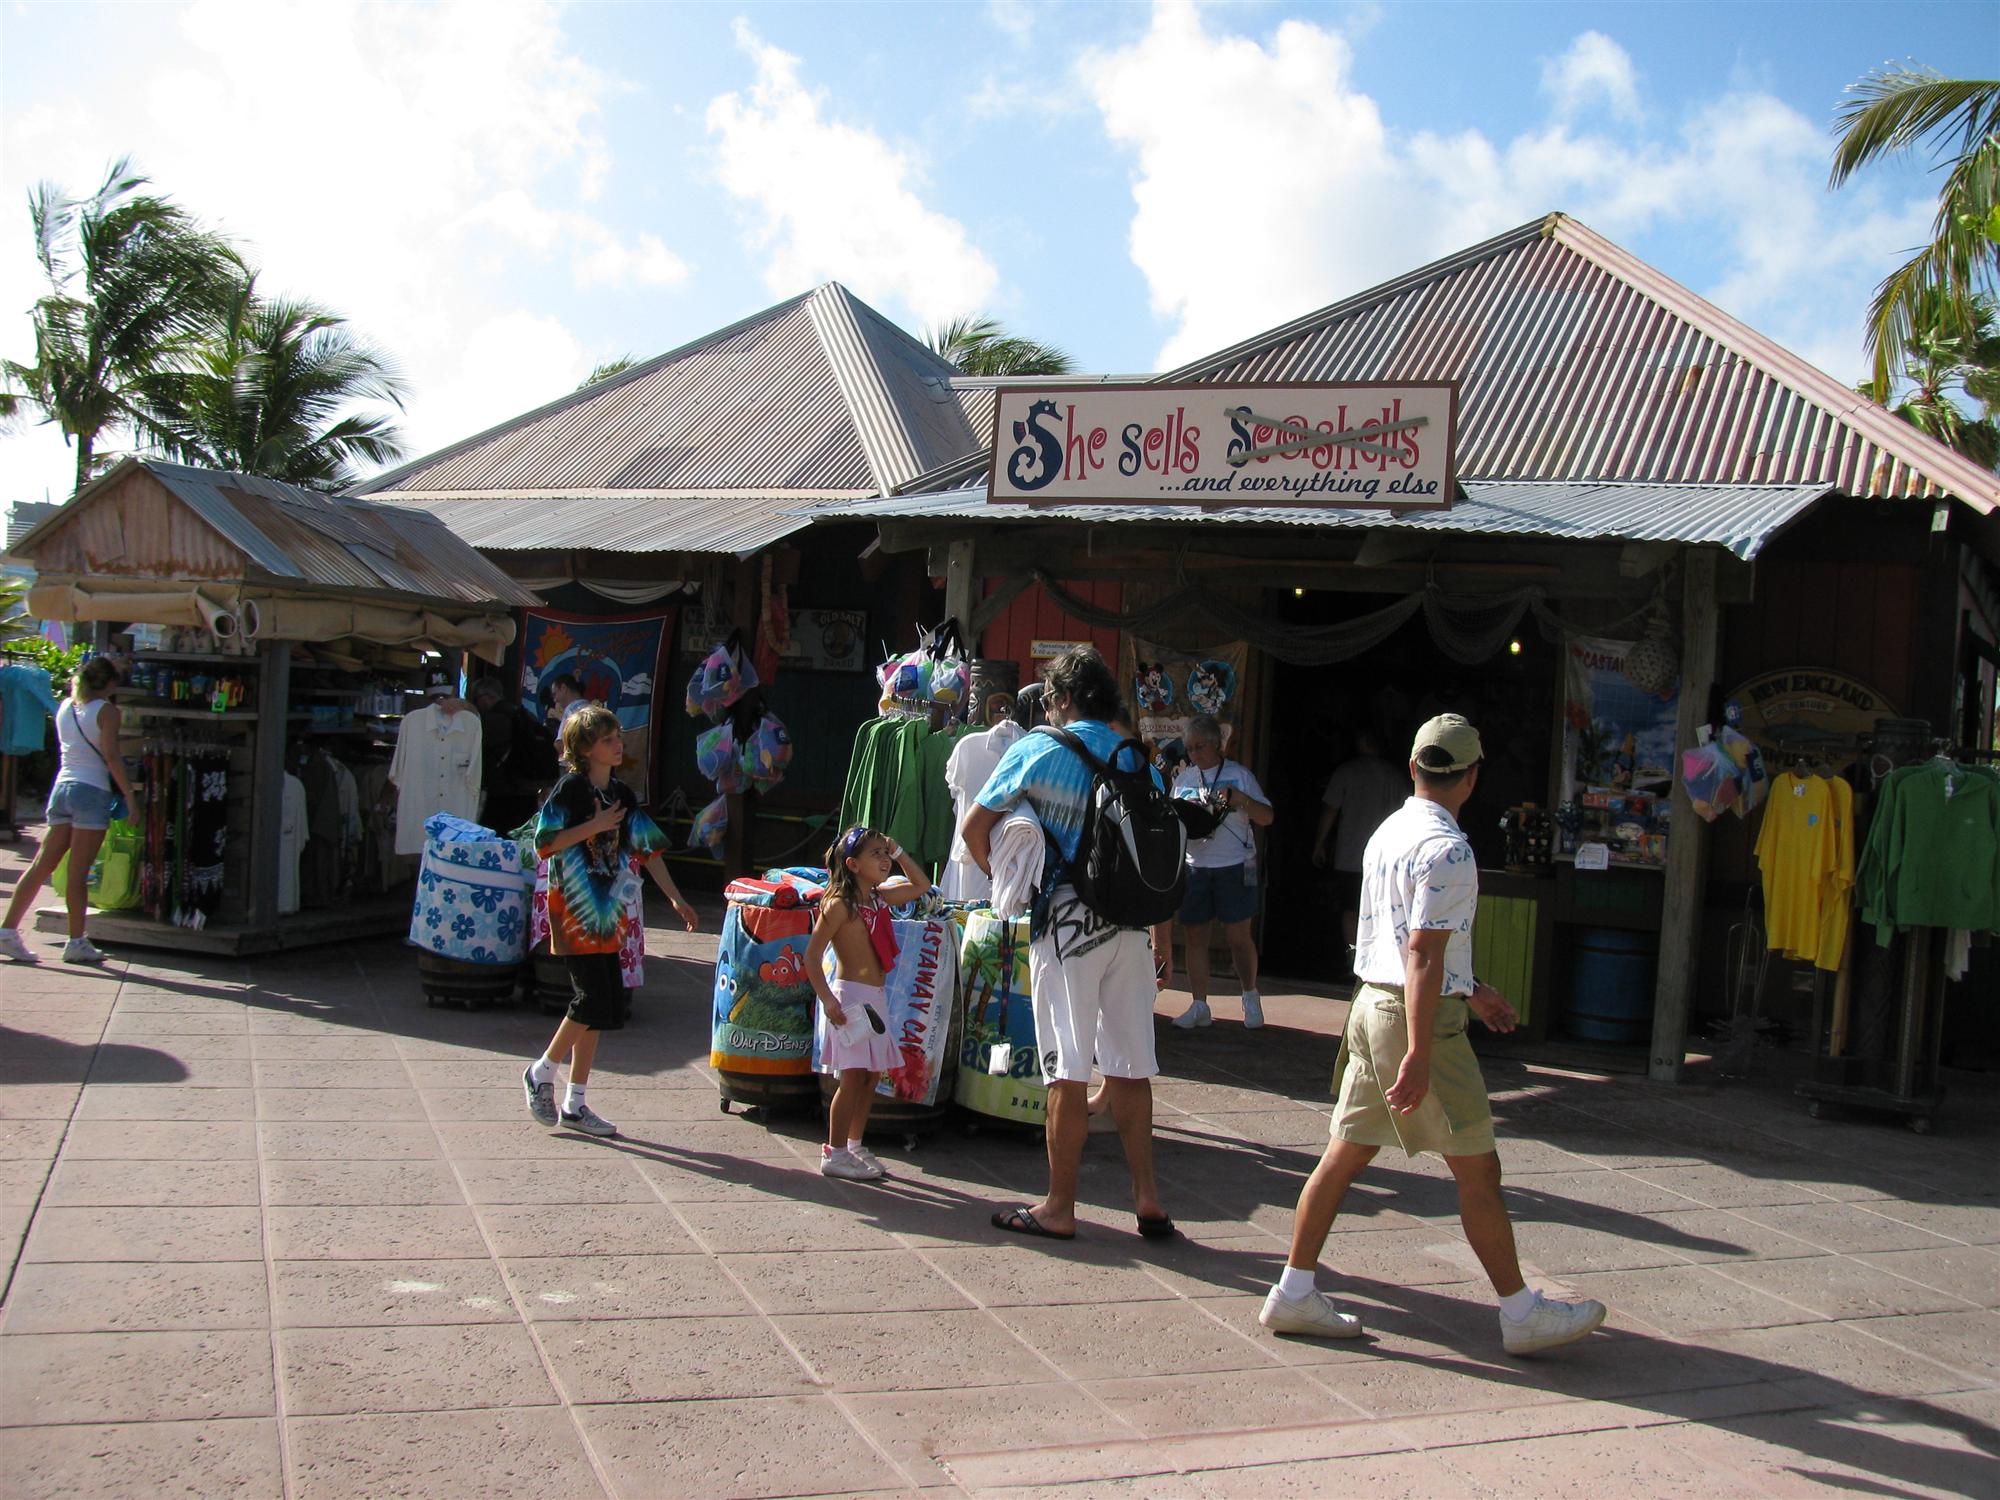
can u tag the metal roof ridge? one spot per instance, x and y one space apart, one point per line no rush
870 408
1839 401
576 397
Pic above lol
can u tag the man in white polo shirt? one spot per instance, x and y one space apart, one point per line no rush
1407 1075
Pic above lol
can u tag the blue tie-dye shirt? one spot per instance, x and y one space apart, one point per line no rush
1046 774
1417 875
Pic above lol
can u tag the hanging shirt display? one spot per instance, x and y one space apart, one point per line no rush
25 705
1805 852
1933 853
291 844
971 761
436 770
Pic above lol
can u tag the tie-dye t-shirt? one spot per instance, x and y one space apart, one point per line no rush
584 915
1417 875
1042 771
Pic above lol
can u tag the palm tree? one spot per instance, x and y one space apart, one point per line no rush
1952 355
606 370
133 281
271 391
1889 113
980 346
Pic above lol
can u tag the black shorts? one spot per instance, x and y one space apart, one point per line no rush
597 986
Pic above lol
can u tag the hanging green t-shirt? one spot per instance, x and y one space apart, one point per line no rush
1933 853
903 819
938 808
866 795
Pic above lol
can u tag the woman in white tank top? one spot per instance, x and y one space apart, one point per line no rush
79 809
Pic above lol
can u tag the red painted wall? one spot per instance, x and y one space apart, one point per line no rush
1034 616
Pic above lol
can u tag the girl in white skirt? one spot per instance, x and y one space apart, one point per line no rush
854 916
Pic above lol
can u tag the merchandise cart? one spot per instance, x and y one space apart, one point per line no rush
997 1029
762 1015
922 994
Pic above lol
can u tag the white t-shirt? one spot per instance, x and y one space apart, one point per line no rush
1418 875
1233 843
972 761
1364 790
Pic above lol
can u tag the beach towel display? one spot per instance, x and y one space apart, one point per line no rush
998 1030
472 895
761 1032
921 989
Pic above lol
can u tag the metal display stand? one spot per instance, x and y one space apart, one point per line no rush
1914 1089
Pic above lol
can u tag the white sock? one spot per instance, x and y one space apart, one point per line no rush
1294 1283
854 1145
1517 1305
573 1099
542 1069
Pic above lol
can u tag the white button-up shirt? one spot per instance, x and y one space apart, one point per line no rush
1418 875
436 770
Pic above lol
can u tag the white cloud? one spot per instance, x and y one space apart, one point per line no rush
1267 184
429 156
829 200
1014 17
1595 70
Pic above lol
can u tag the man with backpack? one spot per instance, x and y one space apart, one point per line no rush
1114 866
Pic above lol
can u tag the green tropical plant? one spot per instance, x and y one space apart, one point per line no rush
980 346
133 282
1952 359
1891 112
272 389
606 370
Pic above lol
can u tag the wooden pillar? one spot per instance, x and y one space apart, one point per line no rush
1686 874
958 584
267 781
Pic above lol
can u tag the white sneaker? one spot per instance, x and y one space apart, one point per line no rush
82 950
1253 1012
1195 1015
1313 1315
845 1164
12 945
1549 1324
867 1159
587 1121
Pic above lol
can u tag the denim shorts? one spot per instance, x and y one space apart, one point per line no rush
1218 895
79 804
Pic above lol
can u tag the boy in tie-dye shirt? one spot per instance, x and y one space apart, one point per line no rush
592 832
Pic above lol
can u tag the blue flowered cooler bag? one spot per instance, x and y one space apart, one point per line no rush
472 894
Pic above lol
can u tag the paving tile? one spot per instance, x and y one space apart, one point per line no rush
347 1140
353 1183
23 1181
1381 1476
1968 1272
163 1066
38 1101
281 1073
1840 1287
158 1184
135 1377
844 1281
336 1046
575 1287
541 1229
373 1232
146 1234
1832 1364
1687 1299
668 1359
395 1292
1647 1462
161 1140
774 1227
1899 1448
147 1461
605 1177
31 1140
449 1455
912 1350
1707 1235
1725 1187
1148 1338
1024 1276
474 1105
719 1179
335 1371
1847 1229
138 1101
1968 1341
1175 1405
517 1138
338 1104
129 1025
111 1297
753 1449
1974 1223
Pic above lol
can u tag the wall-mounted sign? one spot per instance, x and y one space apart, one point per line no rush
1332 444
1809 710
823 640
1050 650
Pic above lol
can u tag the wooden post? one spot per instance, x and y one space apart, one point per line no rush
1686 874
267 782
958 600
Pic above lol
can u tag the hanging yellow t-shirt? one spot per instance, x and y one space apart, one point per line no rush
1836 902
1797 852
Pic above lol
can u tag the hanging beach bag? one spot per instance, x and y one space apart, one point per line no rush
766 753
715 754
724 675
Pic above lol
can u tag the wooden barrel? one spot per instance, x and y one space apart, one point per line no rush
451 981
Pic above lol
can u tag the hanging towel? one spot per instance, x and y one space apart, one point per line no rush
1018 848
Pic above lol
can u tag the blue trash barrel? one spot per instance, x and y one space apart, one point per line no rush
1612 974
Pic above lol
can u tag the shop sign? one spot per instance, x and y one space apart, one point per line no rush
823 640
1344 444
1810 710
1050 650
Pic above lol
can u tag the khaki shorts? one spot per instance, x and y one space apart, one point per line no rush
1454 1119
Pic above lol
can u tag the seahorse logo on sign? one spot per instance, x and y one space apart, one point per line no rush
1039 458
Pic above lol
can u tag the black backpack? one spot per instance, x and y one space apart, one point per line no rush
1131 853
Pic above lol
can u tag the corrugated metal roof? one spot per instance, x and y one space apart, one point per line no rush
614 522
1576 360
325 541
1741 517
818 395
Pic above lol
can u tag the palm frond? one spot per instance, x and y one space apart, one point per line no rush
1894 109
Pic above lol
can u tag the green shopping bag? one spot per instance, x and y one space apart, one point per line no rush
114 874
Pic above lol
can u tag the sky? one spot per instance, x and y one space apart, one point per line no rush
502 195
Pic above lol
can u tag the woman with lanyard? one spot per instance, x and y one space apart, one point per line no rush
90 778
1222 869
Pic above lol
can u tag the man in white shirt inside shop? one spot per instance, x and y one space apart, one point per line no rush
1407 1075
1222 869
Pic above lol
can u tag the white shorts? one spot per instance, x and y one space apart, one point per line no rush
1093 990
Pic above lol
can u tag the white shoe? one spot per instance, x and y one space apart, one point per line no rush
867 1159
845 1164
1195 1015
12 945
1253 1012
587 1121
1313 1315
82 950
1549 1324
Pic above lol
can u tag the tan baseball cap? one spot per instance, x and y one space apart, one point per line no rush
1447 743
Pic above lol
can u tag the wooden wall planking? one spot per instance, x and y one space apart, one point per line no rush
1035 616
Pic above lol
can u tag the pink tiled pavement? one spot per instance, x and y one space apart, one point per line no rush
278 1228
